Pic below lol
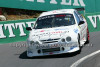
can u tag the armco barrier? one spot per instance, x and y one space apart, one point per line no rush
14 31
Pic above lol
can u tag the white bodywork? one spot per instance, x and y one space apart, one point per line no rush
49 41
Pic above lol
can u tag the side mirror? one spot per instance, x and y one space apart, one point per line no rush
81 22
28 28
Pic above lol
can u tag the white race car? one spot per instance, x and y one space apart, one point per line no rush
57 32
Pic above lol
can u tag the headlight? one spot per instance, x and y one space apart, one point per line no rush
68 39
63 40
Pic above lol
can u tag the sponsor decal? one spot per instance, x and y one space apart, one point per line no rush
72 47
79 27
57 32
76 30
42 31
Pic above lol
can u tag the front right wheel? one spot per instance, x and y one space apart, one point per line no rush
80 47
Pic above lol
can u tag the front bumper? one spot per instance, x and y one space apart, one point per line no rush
42 51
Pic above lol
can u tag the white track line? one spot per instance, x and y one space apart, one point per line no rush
84 58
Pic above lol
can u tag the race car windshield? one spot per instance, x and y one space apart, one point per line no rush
57 20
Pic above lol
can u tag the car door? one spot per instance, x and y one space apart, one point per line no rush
82 29
81 24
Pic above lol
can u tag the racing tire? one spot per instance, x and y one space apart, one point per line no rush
79 42
88 37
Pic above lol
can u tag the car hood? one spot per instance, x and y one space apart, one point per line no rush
51 33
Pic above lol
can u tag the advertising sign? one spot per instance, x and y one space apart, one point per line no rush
13 31
42 5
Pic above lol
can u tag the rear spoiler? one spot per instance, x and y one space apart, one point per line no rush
81 9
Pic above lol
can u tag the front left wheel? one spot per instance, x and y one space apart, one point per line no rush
79 42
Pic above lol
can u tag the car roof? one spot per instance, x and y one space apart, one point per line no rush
60 11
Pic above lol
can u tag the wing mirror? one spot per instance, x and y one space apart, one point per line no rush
28 28
81 22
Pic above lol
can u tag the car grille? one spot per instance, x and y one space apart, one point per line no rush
50 50
50 40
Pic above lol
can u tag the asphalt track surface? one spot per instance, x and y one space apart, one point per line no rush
12 55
